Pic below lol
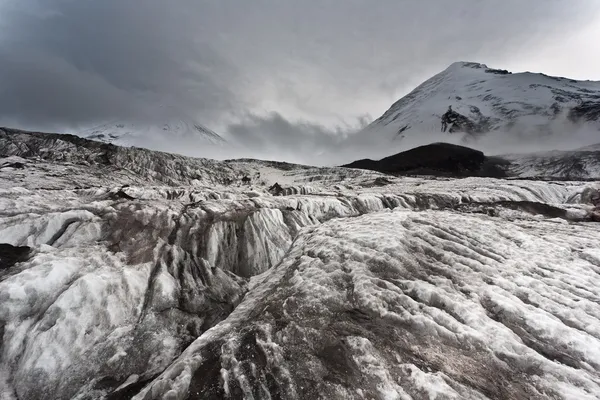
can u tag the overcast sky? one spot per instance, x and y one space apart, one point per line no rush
267 68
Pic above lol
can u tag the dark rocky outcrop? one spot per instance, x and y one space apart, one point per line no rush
442 159
497 71
454 122
276 189
586 111
10 255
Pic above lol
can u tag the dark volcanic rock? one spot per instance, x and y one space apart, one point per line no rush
10 255
436 159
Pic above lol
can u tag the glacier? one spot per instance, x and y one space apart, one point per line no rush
128 273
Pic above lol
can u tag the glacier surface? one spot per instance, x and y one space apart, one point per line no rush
126 273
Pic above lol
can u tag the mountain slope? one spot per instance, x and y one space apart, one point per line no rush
515 107
174 135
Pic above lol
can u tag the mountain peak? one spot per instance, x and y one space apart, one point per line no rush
467 64
495 105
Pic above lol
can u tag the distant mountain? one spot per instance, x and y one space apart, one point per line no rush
436 159
445 159
486 102
141 134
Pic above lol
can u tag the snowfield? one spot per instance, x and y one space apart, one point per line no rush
126 273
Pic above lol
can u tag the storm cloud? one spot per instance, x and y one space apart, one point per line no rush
277 72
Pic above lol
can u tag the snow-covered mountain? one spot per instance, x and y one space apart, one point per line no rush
174 135
127 273
492 108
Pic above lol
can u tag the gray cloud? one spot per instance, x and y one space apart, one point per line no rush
275 137
252 68
76 62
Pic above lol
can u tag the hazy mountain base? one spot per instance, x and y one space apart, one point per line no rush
189 284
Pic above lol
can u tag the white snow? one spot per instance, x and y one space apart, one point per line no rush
140 135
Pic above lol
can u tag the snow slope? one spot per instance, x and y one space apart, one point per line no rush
506 110
174 135
583 163
127 273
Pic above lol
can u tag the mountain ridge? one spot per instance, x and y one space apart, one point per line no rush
440 159
139 134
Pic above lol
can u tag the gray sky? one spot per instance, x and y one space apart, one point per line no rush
267 70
